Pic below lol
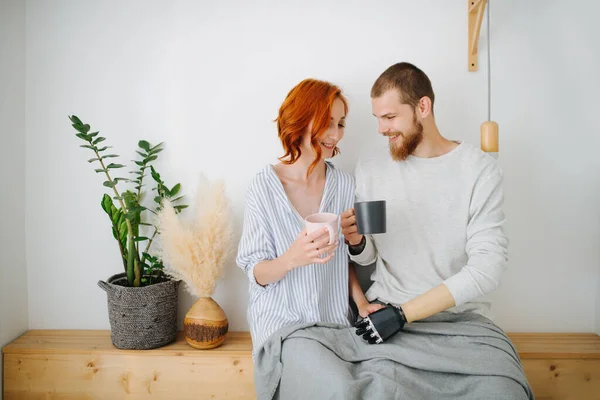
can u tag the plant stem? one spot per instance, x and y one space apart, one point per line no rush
149 244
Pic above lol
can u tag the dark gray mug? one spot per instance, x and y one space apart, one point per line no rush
370 217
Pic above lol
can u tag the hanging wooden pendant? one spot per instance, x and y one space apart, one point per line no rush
489 137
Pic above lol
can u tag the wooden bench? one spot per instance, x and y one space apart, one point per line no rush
72 364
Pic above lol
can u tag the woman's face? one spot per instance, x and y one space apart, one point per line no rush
330 138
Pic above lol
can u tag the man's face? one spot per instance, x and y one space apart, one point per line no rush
399 123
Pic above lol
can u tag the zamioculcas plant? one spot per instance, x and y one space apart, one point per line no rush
128 214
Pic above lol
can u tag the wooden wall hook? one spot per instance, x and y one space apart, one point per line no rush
476 10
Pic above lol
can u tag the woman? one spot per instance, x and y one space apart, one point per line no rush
297 277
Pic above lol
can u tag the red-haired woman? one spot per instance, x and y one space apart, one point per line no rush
296 277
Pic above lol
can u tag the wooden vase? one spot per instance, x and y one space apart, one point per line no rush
205 325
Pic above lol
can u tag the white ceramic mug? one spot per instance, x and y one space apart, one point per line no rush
317 221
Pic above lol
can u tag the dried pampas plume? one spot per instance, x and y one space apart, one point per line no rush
194 250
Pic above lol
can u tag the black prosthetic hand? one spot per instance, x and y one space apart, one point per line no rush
379 326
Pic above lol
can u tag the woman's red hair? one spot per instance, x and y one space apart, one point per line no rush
310 100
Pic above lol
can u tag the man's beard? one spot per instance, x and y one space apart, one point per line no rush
410 141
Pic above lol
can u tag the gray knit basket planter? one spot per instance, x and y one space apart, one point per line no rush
144 317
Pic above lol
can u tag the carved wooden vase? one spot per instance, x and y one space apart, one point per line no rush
205 324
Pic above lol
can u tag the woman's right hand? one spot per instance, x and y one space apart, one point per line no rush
310 248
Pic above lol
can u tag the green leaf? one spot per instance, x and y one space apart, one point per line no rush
158 199
140 239
99 170
109 156
144 155
180 207
93 134
106 203
100 139
155 174
104 148
91 160
121 179
75 120
175 190
144 145
145 224
112 166
141 164
177 199
157 146
149 159
82 136
110 184
87 146
82 128
118 197
115 217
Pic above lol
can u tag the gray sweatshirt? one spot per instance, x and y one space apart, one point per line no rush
444 225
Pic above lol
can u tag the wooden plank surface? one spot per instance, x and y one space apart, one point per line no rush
132 376
72 364
98 341
577 379
83 364
529 345
557 345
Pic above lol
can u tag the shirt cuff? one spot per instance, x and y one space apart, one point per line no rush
253 283
367 256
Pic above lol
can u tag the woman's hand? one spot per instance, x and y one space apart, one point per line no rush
310 248
367 308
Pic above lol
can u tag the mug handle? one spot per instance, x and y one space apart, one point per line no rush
331 233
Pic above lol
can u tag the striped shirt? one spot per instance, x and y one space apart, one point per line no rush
312 293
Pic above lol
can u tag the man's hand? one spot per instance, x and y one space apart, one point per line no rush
349 229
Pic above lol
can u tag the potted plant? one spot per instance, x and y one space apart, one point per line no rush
142 300
195 250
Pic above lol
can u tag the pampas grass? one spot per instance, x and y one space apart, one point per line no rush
195 249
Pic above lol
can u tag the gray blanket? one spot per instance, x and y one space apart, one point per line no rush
447 356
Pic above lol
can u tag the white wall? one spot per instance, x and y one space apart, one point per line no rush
545 86
208 78
14 318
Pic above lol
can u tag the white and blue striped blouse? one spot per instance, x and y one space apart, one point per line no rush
313 293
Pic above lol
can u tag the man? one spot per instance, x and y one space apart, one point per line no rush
445 247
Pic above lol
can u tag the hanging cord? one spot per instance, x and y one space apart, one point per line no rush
489 66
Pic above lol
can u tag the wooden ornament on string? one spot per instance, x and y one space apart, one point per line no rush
489 138
489 129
